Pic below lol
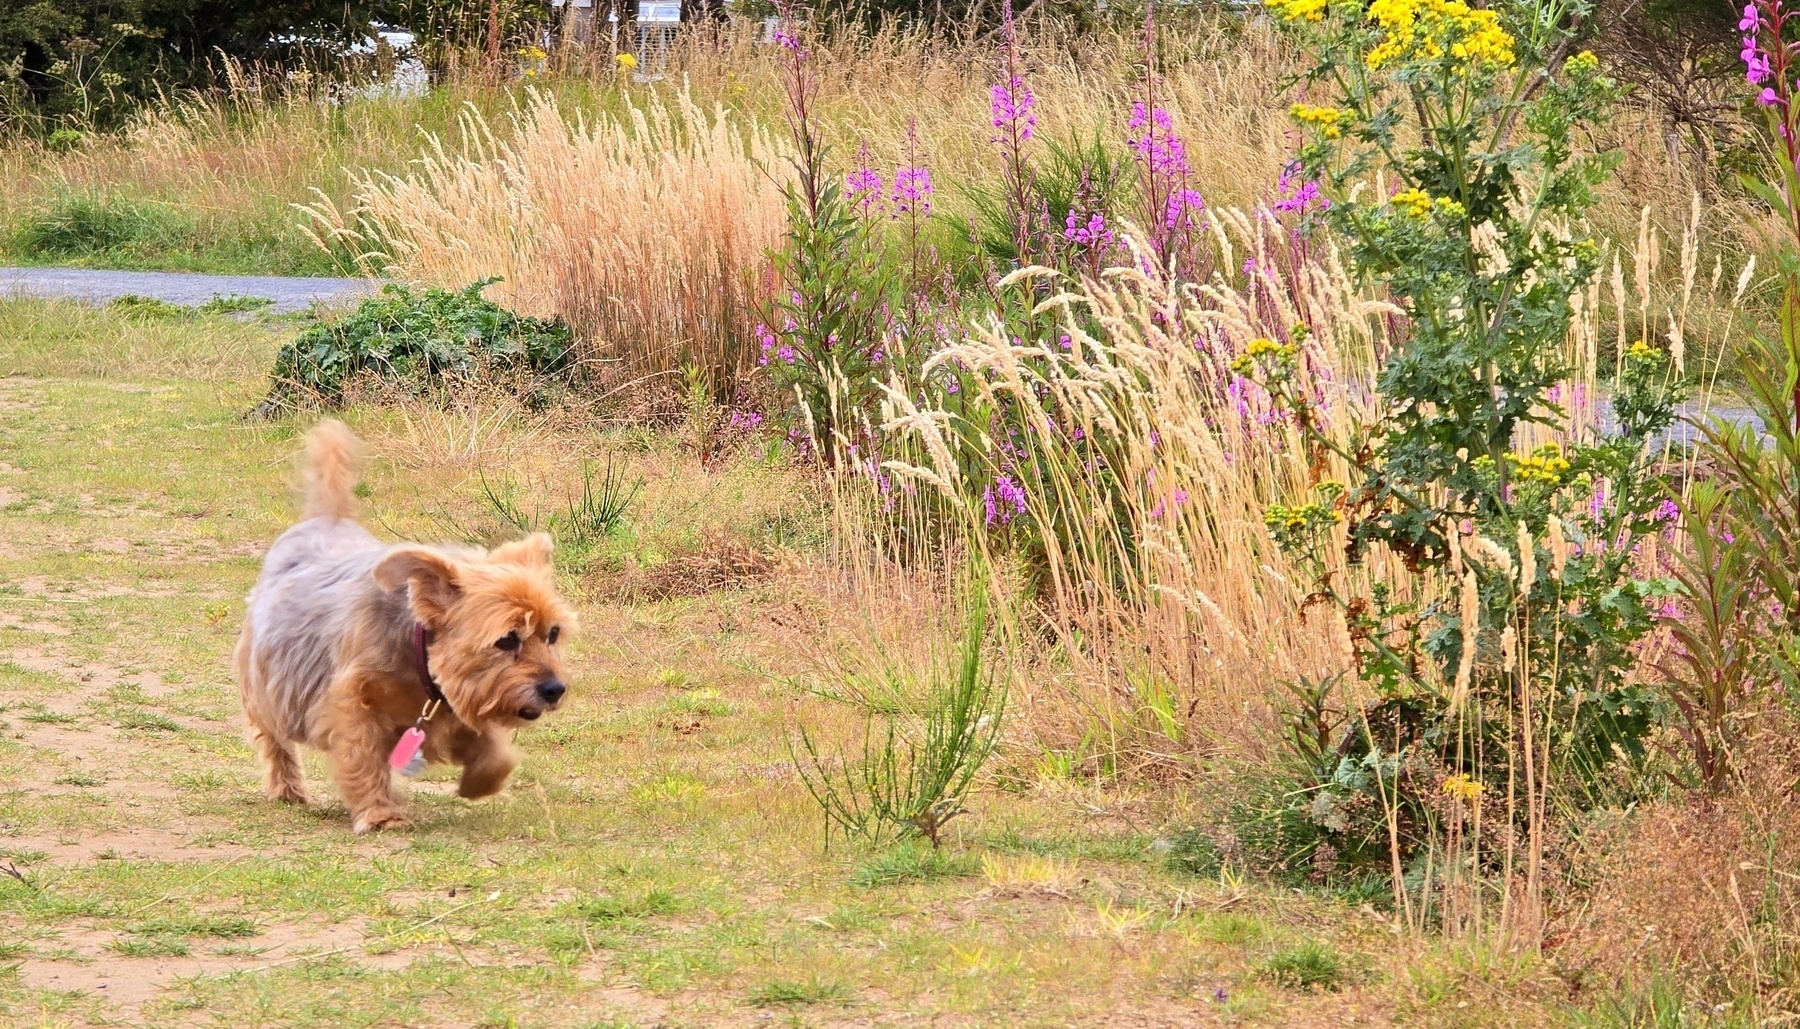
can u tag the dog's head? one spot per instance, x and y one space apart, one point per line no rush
497 626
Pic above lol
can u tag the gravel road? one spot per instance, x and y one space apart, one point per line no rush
185 288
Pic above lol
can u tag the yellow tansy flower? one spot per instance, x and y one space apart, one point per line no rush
1415 202
1298 10
1432 29
1328 120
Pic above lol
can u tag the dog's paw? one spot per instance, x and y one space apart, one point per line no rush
379 818
290 793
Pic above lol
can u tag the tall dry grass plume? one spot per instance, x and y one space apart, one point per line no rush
648 231
1158 559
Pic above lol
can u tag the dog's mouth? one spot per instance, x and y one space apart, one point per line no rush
531 714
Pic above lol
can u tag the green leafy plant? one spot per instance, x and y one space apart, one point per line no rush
911 861
1306 966
827 327
415 341
1495 640
75 225
585 518
917 765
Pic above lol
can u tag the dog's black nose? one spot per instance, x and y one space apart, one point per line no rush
551 690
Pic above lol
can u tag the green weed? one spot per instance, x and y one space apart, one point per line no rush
152 947
780 992
1309 965
652 901
913 863
221 927
95 225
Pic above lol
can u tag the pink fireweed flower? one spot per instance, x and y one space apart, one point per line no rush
1155 141
1751 21
1295 195
863 187
1010 105
1183 206
767 339
1003 501
1092 231
912 191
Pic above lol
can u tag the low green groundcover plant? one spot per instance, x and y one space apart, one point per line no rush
417 342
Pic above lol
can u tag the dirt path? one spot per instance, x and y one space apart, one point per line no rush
185 288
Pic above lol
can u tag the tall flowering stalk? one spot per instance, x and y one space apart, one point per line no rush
1738 626
1172 209
1769 62
828 325
1485 668
1013 116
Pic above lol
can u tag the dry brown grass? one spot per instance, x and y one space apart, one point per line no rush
720 562
1705 891
647 231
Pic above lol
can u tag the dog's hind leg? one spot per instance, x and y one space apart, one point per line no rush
283 777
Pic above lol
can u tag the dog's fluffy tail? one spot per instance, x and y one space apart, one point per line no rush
329 476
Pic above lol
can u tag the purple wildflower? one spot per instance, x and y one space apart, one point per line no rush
912 191
1010 106
1182 206
1666 511
1157 145
1090 233
1293 195
767 339
1004 501
864 184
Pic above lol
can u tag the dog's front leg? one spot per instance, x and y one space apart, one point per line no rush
487 761
359 748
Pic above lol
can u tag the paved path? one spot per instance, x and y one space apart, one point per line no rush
185 288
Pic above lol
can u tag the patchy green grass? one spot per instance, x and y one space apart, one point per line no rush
655 861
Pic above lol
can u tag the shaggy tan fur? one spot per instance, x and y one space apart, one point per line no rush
326 655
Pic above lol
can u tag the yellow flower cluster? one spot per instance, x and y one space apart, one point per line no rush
1430 29
1546 464
1283 519
1298 10
1462 787
1328 120
1261 347
1418 203
1641 351
1415 202
1582 65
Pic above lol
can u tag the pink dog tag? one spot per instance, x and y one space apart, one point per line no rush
408 756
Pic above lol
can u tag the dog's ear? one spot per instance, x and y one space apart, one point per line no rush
534 551
431 579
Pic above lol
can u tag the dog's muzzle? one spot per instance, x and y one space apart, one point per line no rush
550 691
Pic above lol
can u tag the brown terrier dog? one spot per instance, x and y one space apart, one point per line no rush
350 641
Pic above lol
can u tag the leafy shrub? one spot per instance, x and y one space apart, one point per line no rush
1493 631
415 341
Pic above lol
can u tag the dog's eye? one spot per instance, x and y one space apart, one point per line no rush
555 631
510 641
